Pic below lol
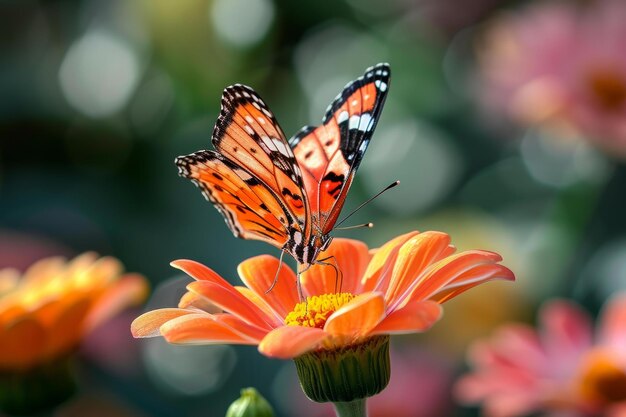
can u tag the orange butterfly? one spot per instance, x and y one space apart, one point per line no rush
287 193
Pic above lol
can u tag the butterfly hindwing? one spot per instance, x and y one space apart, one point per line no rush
330 154
250 210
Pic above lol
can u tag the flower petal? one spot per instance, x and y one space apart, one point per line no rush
258 274
378 271
202 329
349 256
414 256
357 318
9 279
472 278
199 272
566 330
41 271
148 324
256 299
131 289
439 274
231 301
612 330
291 341
66 330
412 318
240 326
89 270
513 349
23 341
193 300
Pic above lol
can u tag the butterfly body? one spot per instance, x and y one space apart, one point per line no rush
288 193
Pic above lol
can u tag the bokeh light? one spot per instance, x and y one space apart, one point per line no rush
242 23
416 145
188 370
99 74
561 162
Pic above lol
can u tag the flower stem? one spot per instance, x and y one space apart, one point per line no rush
356 408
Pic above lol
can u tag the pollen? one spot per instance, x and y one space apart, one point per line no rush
316 310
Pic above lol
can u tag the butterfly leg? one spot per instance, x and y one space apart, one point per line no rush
280 265
338 273
298 283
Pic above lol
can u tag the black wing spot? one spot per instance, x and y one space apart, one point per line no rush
235 149
308 154
297 200
287 192
218 188
264 207
327 144
335 179
253 150
241 209
218 176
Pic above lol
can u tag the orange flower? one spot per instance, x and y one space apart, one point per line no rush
395 289
45 312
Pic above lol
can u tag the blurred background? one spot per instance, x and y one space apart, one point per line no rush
98 98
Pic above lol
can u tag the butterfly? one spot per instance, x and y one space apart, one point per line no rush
287 193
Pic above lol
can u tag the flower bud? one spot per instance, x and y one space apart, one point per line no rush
250 404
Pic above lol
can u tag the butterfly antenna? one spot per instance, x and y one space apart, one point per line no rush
280 265
358 226
369 200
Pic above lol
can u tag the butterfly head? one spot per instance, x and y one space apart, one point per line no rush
306 253
319 243
325 242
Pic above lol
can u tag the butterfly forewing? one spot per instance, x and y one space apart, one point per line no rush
248 134
330 154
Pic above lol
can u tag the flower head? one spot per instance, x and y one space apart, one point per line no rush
559 367
45 312
397 288
559 64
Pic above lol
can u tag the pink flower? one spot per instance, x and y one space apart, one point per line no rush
556 64
561 367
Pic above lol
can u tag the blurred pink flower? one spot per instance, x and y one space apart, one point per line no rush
419 387
559 368
562 66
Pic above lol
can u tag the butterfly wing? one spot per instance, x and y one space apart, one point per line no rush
250 210
252 178
330 154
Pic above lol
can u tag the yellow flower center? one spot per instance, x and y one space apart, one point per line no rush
603 380
608 88
314 311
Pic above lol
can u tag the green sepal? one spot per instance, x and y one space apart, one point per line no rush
345 374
